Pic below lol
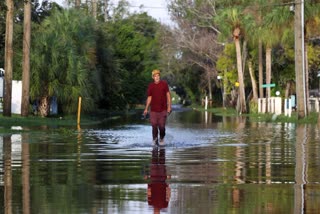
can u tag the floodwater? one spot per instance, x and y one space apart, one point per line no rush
210 164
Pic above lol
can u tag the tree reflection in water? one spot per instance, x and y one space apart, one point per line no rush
215 165
7 174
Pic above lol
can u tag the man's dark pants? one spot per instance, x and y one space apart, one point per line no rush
158 123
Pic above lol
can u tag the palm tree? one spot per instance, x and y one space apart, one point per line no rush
280 22
255 38
26 59
253 82
64 59
236 21
312 26
8 59
275 23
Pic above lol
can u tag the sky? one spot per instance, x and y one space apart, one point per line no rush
155 8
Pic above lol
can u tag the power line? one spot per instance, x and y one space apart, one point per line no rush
148 7
142 6
246 6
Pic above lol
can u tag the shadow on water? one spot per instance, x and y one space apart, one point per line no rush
210 164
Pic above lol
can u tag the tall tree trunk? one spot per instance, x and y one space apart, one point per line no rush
77 3
244 56
26 59
260 69
8 60
287 91
306 76
105 10
209 86
242 107
25 157
7 174
44 106
253 82
94 8
268 70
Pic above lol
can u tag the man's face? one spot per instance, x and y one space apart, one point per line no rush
156 78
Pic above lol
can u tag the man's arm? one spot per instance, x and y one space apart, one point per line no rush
168 102
145 112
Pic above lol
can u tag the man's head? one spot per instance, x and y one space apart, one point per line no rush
154 72
156 75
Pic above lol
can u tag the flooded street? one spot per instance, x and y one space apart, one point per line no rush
210 164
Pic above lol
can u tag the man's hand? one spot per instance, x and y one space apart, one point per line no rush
169 110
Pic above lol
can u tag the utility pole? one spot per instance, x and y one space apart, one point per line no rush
300 59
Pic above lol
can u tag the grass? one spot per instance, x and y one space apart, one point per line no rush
101 117
312 118
96 118
218 111
17 120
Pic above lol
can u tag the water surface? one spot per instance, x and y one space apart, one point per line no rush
210 164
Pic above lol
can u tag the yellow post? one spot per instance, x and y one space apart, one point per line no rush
79 110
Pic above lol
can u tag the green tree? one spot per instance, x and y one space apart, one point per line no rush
258 11
226 65
38 14
3 11
136 47
63 61
234 20
312 25
107 66
276 23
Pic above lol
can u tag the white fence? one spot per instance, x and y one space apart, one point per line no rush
314 104
15 97
270 105
275 105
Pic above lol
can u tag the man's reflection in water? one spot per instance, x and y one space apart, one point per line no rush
158 189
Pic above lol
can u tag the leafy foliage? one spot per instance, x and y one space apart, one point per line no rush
38 14
136 48
227 67
63 60
108 62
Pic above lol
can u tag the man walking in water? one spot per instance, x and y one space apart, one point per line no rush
159 100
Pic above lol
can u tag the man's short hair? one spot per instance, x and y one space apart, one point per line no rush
156 71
